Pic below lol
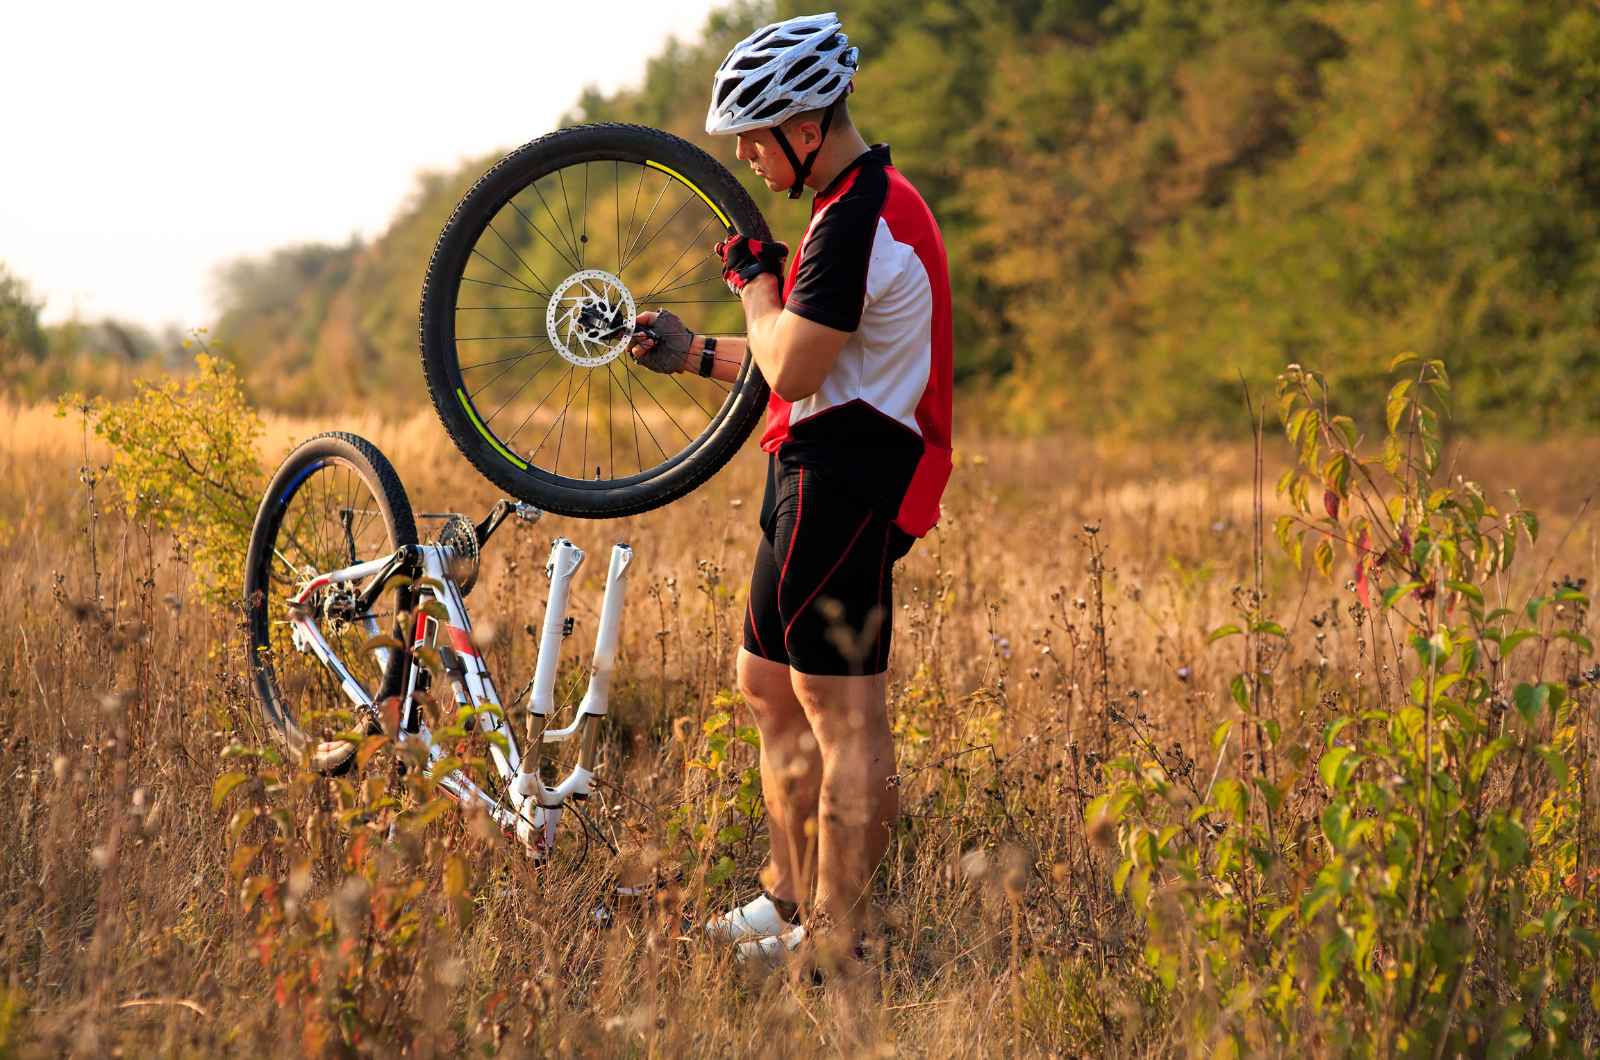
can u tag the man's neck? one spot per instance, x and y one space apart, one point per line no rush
842 147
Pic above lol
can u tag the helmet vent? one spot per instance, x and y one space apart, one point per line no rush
750 62
816 75
772 110
723 90
753 91
800 66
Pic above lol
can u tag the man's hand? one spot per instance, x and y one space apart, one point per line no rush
743 259
665 346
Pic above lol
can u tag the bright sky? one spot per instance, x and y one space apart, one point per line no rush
146 143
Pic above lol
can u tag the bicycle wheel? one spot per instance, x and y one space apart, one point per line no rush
549 253
334 502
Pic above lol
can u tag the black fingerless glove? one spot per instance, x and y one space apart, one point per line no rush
671 344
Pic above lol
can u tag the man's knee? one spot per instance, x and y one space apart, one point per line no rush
765 685
844 711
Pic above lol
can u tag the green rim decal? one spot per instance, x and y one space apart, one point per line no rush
491 439
690 185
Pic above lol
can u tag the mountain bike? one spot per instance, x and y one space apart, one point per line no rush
335 571
528 306
532 291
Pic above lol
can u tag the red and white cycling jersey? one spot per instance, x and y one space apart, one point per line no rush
873 263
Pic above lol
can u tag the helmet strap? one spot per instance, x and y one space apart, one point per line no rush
802 170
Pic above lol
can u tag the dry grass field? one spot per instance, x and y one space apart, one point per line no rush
139 918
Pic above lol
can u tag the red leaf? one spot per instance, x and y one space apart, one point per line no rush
1330 501
1363 587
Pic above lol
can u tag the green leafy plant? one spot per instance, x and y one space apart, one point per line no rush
1432 892
184 454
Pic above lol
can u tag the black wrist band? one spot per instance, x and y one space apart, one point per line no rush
707 361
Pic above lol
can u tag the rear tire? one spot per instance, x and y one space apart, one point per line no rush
336 500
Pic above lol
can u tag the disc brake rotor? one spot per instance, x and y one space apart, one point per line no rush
590 318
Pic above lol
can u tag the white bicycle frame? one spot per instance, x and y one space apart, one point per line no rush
535 808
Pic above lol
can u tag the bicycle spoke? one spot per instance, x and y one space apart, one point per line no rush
559 418
539 231
639 418
503 360
508 275
633 238
534 272
512 436
664 226
502 286
717 277
497 308
696 238
536 372
663 408
583 460
572 229
690 396
474 394
490 418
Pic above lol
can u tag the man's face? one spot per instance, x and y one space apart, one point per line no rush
759 149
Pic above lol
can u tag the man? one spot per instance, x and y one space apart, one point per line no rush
856 345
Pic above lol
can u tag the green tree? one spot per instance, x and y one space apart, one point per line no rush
22 340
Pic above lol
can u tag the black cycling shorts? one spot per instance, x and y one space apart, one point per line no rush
821 594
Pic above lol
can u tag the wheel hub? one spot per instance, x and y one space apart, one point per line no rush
590 318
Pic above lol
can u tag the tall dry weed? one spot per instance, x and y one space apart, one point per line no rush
1058 617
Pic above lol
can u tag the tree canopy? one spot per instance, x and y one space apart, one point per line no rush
1145 203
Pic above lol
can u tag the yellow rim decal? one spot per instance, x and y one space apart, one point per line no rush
690 185
491 439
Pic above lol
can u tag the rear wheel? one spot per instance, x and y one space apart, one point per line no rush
336 501
525 313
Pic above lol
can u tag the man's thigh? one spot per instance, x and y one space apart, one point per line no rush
834 561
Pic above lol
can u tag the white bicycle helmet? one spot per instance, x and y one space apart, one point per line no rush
785 69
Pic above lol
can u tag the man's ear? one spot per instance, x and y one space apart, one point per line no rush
805 135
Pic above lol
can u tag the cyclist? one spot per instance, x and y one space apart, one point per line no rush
855 341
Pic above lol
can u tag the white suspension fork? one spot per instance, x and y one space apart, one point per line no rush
538 805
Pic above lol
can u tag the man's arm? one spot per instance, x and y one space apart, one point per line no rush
794 354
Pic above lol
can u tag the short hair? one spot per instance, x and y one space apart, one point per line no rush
841 115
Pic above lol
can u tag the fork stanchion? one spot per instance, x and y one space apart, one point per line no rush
565 559
536 822
597 697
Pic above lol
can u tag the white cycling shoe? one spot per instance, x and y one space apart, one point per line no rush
771 949
757 919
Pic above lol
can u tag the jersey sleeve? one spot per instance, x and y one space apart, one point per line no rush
830 286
